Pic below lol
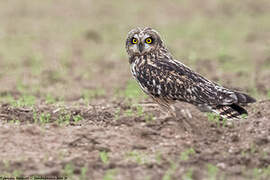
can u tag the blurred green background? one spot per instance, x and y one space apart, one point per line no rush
68 49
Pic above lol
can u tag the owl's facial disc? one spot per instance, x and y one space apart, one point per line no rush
141 43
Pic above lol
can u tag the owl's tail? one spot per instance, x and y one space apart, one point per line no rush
244 99
234 111
230 112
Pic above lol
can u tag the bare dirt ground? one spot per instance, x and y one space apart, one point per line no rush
136 149
69 108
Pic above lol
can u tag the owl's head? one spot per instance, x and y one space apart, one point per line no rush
142 41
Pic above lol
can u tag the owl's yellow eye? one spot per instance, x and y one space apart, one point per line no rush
149 40
134 41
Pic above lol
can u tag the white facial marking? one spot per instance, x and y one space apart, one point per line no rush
146 46
133 48
136 36
141 35
146 36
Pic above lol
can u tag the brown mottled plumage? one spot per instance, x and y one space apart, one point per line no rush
168 81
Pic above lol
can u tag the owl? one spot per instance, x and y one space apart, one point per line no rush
168 81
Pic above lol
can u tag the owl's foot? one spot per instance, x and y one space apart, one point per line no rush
150 105
171 114
165 116
186 125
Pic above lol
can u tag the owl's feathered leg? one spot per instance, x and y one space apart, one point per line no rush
166 108
171 113
185 120
186 113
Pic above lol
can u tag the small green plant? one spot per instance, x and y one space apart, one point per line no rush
188 174
44 118
139 110
261 173
77 118
83 173
149 117
169 173
266 172
9 174
212 171
117 113
215 118
15 121
224 122
244 116
136 156
264 154
25 100
35 116
6 163
243 153
129 112
147 177
158 157
49 99
16 173
110 174
257 173
62 154
253 148
185 155
104 157
268 94
69 170
64 117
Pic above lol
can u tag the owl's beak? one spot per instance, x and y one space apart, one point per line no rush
141 47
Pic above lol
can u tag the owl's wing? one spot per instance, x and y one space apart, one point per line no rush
173 80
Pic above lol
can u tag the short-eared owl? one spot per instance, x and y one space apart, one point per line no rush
167 80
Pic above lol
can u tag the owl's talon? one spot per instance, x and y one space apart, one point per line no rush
186 125
186 113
